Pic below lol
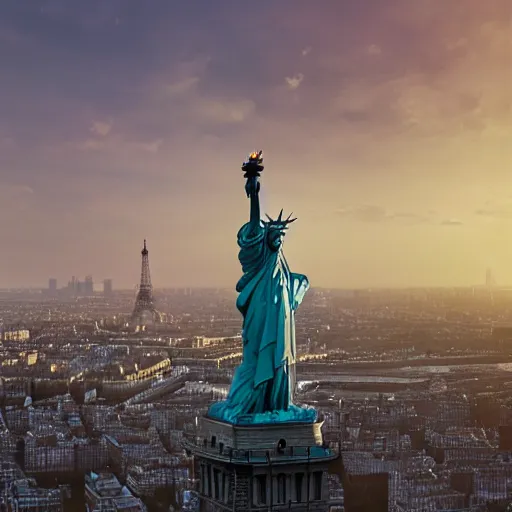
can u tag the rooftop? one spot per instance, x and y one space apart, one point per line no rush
275 456
103 484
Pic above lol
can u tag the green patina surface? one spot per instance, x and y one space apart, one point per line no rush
269 294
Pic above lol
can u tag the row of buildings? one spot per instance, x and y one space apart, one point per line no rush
77 288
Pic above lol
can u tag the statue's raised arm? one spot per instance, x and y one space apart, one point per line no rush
252 170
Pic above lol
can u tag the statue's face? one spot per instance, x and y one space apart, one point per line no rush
275 238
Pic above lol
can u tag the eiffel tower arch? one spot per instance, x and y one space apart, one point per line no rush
145 309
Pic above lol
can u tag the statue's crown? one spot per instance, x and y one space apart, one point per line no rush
280 223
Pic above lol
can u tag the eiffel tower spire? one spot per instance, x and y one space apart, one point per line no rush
144 303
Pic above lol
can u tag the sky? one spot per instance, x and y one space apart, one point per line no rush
385 126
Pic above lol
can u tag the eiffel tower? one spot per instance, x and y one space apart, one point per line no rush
144 304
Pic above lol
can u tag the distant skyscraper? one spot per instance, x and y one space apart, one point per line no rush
73 286
489 279
107 287
88 286
52 285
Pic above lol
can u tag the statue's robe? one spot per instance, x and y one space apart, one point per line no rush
269 294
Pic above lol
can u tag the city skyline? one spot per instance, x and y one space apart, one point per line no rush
385 128
99 283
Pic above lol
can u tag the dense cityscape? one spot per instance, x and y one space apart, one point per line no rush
99 411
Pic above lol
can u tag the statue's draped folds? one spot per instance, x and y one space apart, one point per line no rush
269 294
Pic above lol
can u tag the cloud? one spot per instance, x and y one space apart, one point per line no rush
183 86
365 213
294 81
101 128
496 213
116 144
411 216
452 222
450 84
410 102
375 213
150 147
15 198
223 111
91 145
16 191
374 49
456 44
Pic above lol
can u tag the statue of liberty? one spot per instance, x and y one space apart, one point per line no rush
269 294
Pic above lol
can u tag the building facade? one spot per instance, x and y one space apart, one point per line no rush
280 466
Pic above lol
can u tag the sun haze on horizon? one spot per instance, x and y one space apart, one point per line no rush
385 128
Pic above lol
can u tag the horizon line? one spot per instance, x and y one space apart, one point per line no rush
231 287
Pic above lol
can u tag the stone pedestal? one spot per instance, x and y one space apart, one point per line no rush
254 467
262 437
